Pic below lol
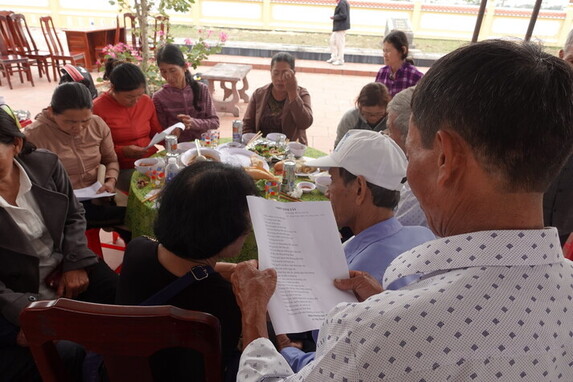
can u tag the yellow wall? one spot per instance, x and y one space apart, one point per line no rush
427 20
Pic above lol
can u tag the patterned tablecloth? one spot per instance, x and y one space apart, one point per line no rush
140 214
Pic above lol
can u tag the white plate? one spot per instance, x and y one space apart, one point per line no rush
240 157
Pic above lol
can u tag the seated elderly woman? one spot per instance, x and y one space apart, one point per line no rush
203 217
369 112
43 251
82 141
281 106
130 115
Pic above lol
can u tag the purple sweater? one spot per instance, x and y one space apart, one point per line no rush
170 101
405 77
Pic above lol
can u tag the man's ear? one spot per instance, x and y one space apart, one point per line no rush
361 189
561 53
452 156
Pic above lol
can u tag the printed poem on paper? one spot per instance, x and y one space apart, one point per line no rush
301 242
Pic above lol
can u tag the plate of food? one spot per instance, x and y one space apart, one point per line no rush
242 157
271 151
301 169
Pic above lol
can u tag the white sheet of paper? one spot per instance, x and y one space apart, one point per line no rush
301 242
158 137
90 192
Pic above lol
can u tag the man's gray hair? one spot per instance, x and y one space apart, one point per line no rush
400 105
569 41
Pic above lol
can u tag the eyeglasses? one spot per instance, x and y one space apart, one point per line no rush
366 114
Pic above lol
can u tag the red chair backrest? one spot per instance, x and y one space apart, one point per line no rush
126 336
51 36
23 36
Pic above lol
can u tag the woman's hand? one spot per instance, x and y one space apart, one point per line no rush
108 186
187 120
291 84
73 283
133 151
361 283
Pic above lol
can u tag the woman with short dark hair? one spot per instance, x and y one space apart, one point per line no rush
129 113
281 106
182 98
369 112
203 217
399 71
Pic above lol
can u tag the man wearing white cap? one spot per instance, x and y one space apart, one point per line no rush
367 170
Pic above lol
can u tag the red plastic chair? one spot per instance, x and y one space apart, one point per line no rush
95 244
126 336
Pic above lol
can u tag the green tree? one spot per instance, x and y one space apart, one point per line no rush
141 9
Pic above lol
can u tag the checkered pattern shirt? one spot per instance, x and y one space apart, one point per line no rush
405 77
489 306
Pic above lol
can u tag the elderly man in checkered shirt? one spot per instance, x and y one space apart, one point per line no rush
491 126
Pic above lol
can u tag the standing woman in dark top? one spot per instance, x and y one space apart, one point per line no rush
182 99
203 217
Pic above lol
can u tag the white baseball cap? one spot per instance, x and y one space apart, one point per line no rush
368 153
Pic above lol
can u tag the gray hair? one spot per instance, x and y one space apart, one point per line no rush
569 41
400 105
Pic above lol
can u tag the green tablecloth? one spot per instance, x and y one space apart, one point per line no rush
140 215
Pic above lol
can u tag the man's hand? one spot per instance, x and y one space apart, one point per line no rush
253 289
361 283
226 270
283 341
73 283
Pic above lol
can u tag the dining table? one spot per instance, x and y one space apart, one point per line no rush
141 211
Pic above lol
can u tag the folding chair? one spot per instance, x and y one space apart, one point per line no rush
126 336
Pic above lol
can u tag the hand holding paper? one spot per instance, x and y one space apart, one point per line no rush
91 192
301 242
158 137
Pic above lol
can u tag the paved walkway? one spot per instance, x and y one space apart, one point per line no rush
333 90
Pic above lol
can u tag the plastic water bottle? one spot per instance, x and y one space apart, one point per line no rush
172 160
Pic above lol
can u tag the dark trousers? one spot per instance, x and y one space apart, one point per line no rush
17 363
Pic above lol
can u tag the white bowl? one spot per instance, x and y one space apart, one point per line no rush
322 183
189 156
296 148
245 138
276 137
184 146
306 186
146 165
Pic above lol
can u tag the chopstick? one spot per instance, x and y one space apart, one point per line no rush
255 137
151 198
289 198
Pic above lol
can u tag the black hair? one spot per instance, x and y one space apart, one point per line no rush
204 209
283 57
399 40
171 54
381 197
373 94
512 103
71 95
124 76
9 131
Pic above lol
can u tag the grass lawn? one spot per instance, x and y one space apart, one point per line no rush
321 39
